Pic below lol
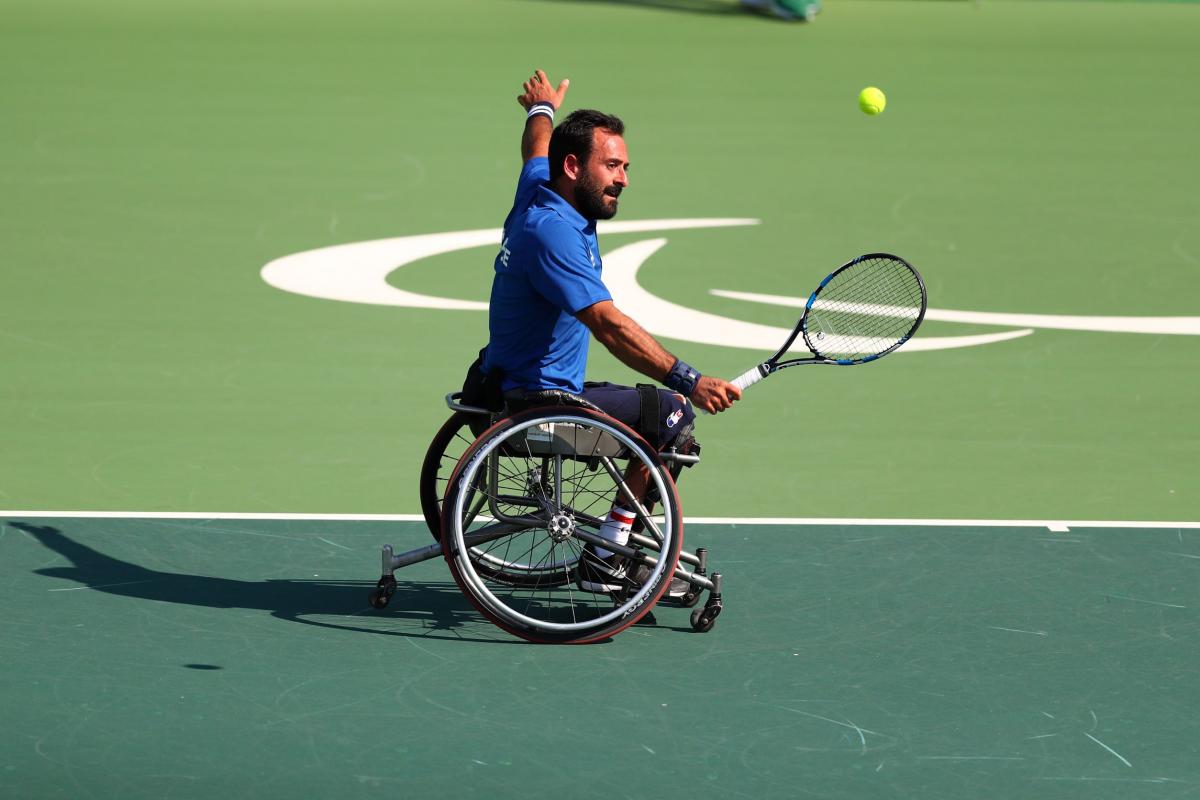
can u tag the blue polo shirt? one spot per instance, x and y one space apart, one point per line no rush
547 270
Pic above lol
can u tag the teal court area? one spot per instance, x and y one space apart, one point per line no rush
192 657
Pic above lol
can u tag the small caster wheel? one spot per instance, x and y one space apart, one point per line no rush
691 597
704 618
383 591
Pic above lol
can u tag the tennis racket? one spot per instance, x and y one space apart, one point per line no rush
864 310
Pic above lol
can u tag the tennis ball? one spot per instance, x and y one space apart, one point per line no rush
872 101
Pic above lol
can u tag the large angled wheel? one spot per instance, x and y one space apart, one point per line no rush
441 459
547 478
443 455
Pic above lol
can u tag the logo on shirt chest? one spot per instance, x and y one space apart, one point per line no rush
504 252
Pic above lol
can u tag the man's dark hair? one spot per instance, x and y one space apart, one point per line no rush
574 136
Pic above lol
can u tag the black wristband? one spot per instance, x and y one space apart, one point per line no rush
682 378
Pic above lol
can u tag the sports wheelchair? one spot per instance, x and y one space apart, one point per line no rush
511 499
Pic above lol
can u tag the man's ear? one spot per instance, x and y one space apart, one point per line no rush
572 168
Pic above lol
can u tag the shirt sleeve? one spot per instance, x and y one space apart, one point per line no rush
535 173
563 270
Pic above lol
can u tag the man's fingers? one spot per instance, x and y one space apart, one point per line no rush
714 395
563 85
540 76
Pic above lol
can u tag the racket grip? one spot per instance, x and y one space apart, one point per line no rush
748 378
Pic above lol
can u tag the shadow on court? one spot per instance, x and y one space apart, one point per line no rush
438 607
717 7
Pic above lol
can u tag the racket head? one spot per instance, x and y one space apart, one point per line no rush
864 310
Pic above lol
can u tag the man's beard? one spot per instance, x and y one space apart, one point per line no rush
589 197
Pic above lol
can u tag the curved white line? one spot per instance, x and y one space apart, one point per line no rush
357 272
666 319
1186 326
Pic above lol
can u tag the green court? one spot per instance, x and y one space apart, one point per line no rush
240 657
967 570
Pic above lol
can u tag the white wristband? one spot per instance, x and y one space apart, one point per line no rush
541 108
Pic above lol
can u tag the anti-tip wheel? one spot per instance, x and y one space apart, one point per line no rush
381 595
705 617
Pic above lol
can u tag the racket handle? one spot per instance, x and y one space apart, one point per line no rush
748 378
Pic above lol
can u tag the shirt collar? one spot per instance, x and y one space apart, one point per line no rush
553 200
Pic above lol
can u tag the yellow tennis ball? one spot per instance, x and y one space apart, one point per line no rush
872 101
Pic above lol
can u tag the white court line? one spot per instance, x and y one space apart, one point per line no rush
1053 525
202 515
1059 526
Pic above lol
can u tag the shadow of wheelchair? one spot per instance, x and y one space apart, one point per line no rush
423 609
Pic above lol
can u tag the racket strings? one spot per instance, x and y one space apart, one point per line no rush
865 310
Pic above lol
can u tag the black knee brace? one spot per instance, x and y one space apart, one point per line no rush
650 416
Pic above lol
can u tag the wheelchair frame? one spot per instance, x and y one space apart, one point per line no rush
549 437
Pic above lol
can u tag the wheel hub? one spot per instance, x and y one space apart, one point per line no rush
561 527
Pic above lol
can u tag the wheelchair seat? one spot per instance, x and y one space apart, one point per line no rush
521 400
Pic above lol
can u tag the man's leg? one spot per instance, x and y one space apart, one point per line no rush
621 519
625 403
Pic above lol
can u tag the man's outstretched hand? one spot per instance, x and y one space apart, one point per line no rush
538 89
715 395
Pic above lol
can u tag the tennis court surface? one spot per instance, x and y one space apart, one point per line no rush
879 639
192 657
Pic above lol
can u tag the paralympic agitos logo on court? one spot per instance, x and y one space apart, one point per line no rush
357 273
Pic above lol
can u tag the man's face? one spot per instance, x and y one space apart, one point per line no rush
603 177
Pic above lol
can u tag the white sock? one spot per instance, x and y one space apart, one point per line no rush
616 528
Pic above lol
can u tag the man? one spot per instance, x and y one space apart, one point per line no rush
547 296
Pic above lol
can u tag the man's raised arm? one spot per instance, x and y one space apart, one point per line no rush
540 100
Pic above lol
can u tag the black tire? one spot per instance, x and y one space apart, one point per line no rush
548 607
441 458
